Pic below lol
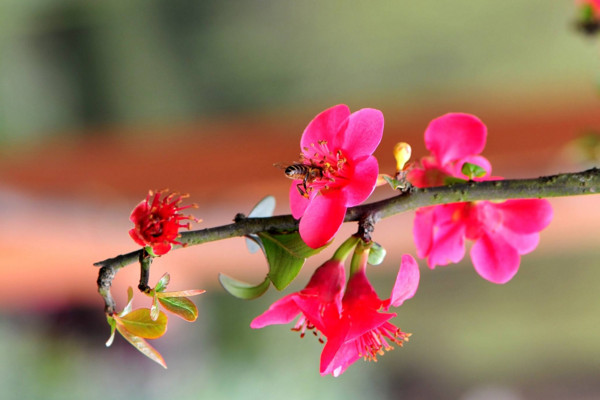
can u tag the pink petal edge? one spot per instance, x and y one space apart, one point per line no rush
407 281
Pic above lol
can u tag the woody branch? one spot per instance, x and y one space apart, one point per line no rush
568 184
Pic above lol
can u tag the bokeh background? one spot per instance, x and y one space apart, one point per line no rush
101 101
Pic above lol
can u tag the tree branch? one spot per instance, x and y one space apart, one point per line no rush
569 184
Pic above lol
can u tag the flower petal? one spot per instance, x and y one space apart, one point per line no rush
523 243
407 281
323 218
495 259
526 215
333 360
280 312
326 126
298 203
454 136
363 134
423 230
363 181
448 244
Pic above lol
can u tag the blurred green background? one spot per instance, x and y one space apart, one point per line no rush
75 75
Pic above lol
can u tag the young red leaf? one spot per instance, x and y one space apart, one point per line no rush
180 306
142 346
139 323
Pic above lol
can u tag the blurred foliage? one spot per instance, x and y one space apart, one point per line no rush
68 64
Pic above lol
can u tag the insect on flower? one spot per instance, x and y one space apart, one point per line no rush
308 173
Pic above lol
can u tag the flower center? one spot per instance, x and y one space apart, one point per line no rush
332 166
154 226
375 342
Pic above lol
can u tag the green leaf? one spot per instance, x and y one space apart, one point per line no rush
264 208
154 308
142 346
253 243
150 251
376 254
243 290
286 254
181 293
473 170
129 305
113 326
162 283
395 183
140 323
180 306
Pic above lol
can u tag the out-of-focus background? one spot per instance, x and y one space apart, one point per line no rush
101 101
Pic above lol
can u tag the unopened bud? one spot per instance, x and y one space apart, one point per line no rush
402 152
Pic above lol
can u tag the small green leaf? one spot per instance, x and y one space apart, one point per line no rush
129 305
586 13
142 346
243 290
154 308
180 306
473 170
113 326
264 208
150 251
162 283
140 323
286 254
376 254
181 293
395 183
253 243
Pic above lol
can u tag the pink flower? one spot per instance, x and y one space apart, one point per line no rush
502 232
340 145
319 303
364 330
157 221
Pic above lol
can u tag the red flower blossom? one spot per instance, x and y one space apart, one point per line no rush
319 303
502 232
363 330
340 145
157 221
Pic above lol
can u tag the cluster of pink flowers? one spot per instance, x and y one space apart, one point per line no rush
351 317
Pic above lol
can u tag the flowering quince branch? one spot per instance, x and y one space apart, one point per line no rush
452 190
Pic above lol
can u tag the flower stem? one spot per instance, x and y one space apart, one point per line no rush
360 257
344 250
